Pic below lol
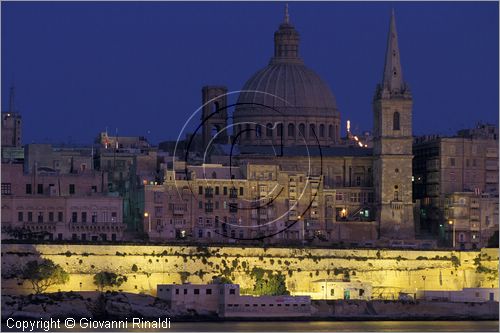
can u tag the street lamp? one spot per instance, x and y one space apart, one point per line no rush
146 214
450 222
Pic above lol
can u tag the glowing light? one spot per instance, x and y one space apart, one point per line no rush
450 222
343 212
146 214
356 138
348 126
360 144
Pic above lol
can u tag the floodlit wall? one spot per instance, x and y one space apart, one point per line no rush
389 271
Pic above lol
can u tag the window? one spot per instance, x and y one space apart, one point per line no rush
241 190
6 188
20 216
452 162
269 130
330 131
71 188
209 291
74 217
291 130
216 190
197 291
177 291
185 291
302 130
232 291
332 292
40 217
395 121
94 217
224 190
396 196
321 131
30 216
28 188
84 217
258 131
114 215
200 190
280 130
59 216
39 189
312 131
51 216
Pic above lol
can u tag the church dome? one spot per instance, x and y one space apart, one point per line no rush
286 101
290 87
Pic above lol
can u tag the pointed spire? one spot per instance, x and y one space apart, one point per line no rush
287 16
286 41
393 75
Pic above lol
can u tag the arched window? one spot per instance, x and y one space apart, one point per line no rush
258 131
395 121
322 131
280 130
312 131
269 130
214 175
215 107
330 131
214 131
396 195
247 130
302 130
291 130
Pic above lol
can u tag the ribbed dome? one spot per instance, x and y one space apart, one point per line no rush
288 85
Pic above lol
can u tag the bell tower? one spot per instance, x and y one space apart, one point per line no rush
392 147
214 115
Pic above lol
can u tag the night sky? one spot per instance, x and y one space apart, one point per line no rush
139 67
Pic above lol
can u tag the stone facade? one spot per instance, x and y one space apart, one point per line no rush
467 162
389 271
473 218
214 203
59 206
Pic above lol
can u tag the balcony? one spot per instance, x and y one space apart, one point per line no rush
209 192
178 211
233 194
233 207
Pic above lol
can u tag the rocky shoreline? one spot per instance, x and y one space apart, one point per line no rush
124 306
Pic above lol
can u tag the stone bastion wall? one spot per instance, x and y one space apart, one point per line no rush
389 271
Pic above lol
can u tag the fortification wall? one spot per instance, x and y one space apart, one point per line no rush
389 271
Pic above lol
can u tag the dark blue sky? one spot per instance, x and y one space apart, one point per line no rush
139 67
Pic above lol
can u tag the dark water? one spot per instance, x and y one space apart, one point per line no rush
320 326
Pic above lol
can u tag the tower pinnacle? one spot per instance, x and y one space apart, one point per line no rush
393 75
286 42
287 16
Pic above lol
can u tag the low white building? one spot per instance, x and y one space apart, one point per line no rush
330 289
478 295
225 301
